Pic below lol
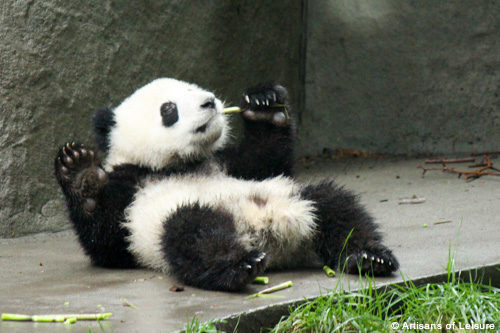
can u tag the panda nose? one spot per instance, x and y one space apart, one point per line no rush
208 104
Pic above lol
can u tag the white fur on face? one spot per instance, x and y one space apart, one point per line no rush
269 215
139 136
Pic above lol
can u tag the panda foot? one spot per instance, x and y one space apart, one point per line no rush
79 173
377 262
245 271
266 102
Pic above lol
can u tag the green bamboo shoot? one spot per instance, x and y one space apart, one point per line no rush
55 317
261 280
330 272
273 289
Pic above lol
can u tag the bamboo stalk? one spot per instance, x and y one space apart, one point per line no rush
273 289
55 317
328 271
236 109
232 109
261 280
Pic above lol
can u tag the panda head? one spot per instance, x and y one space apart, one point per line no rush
165 122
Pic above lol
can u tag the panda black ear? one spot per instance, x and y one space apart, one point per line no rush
103 120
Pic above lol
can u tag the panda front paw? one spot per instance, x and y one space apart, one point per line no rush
267 102
246 270
79 173
377 262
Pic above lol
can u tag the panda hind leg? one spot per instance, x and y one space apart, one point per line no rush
79 174
202 249
347 237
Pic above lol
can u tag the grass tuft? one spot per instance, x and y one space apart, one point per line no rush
196 326
374 310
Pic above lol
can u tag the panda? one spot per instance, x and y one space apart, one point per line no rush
172 195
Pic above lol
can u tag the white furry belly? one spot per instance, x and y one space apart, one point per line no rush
271 207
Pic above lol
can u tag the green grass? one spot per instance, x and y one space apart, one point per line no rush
436 305
449 306
370 310
196 326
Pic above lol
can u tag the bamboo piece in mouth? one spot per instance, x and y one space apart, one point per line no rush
232 109
237 109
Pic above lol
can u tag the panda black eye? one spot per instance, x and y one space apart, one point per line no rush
210 104
169 114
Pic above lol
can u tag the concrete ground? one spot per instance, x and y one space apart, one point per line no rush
48 273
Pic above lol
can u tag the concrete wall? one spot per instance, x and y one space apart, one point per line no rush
402 77
60 60
385 76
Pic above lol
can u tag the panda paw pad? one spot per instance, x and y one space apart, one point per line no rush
266 102
247 269
379 262
78 170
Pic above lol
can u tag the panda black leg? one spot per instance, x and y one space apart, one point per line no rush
79 174
348 238
203 250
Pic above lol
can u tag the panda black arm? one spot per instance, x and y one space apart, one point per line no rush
267 147
96 200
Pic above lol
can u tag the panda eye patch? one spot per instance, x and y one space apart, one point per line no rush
169 114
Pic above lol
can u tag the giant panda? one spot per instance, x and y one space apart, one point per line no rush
173 196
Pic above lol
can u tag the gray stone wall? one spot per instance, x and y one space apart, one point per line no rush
60 60
390 76
402 77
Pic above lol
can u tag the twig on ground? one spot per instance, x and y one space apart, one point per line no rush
443 222
483 169
449 160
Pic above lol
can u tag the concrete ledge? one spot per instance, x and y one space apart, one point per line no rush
40 273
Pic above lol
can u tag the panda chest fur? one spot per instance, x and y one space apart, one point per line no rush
269 214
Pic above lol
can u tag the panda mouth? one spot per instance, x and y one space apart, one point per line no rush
202 128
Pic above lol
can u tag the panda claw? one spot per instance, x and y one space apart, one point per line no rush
372 258
257 102
247 99
79 173
248 267
365 255
381 261
378 259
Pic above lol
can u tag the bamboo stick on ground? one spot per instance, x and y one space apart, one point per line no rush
272 289
55 317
